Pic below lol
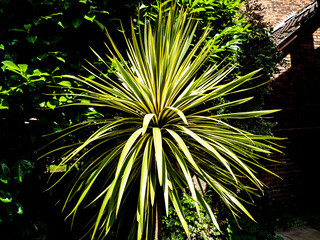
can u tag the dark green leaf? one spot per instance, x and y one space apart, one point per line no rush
102 27
77 22
5 197
27 27
31 39
4 173
22 167
19 208
3 104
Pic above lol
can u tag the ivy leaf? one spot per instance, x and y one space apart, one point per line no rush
1 47
11 66
37 21
6 200
60 24
42 104
142 6
38 73
23 67
198 10
31 39
49 105
89 18
5 197
77 22
51 15
22 168
27 27
194 3
85 101
63 99
4 173
20 208
3 104
61 59
65 83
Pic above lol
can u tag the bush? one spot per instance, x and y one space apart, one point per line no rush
202 228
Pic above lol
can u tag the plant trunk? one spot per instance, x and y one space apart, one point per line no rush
158 205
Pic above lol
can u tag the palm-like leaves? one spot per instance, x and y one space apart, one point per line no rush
166 135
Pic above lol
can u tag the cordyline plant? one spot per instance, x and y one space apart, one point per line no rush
167 134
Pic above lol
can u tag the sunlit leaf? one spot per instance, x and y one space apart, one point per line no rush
23 67
65 83
90 18
10 65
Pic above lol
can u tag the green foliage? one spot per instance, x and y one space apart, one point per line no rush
11 180
296 220
200 227
45 36
228 25
40 41
248 230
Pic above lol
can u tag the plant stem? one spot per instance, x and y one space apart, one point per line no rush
158 213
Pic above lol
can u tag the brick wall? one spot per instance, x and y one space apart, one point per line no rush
276 10
296 90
